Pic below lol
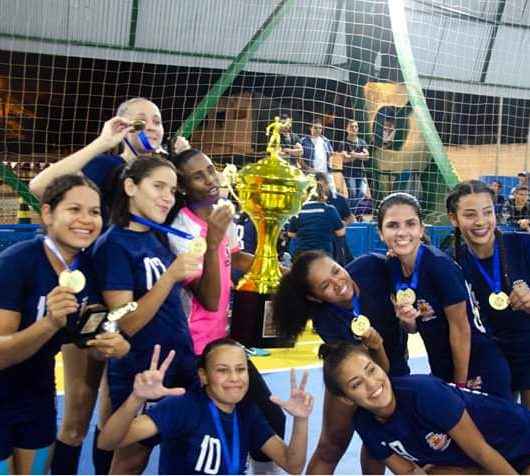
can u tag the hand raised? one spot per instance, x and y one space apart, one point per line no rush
185 265
110 345
520 297
372 339
59 303
148 385
218 222
114 130
300 403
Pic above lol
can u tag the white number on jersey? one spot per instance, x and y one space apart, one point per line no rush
154 268
398 448
41 308
209 460
474 309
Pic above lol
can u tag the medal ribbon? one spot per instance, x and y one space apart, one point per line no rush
352 313
231 462
493 282
144 140
399 283
162 228
52 246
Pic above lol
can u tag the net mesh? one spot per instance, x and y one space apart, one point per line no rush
439 87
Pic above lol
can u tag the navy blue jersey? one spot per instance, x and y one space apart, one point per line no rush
427 409
314 227
371 275
26 278
102 170
441 283
190 444
341 204
133 261
510 328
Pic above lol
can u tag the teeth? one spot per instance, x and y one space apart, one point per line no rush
83 232
378 392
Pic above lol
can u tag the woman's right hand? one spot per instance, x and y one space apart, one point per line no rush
149 385
372 339
114 131
184 266
60 302
407 314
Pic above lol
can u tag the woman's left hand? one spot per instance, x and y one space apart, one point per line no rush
300 403
110 345
372 339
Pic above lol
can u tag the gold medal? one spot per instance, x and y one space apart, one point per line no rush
74 280
405 297
499 301
197 246
138 125
360 325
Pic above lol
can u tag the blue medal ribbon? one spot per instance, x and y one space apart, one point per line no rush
494 282
52 246
144 140
399 282
231 462
162 228
352 313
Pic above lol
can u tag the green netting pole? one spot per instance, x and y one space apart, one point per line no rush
226 79
7 176
398 21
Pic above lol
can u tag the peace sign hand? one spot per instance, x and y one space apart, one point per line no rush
148 385
300 403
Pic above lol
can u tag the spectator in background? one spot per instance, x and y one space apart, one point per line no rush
337 200
364 209
292 150
354 151
516 210
317 150
316 225
499 199
523 182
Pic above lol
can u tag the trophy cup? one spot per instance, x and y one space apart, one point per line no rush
270 191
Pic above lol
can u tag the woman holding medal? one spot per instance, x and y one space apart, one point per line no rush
205 215
134 265
498 267
433 298
212 430
45 284
412 421
339 301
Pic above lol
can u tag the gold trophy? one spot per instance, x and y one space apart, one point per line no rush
270 191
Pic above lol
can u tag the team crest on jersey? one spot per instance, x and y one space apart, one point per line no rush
438 441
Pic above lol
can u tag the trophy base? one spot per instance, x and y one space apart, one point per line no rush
251 322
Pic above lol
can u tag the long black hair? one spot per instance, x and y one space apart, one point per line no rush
56 190
333 355
463 189
136 170
211 346
291 308
398 198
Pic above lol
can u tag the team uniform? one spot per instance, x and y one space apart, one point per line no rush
190 443
206 326
371 275
441 283
27 389
128 260
314 227
103 170
510 328
427 409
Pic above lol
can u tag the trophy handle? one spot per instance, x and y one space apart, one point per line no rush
230 173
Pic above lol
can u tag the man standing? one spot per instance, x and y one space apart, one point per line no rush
292 150
355 152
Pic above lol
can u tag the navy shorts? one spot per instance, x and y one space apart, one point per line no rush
517 352
32 428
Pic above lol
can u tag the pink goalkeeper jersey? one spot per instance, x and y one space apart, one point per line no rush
205 325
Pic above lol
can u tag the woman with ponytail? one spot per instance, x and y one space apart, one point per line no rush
413 421
498 267
318 288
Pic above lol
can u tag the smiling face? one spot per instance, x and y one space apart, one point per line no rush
475 217
226 376
200 179
329 282
76 221
154 196
402 230
154 130
366 384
